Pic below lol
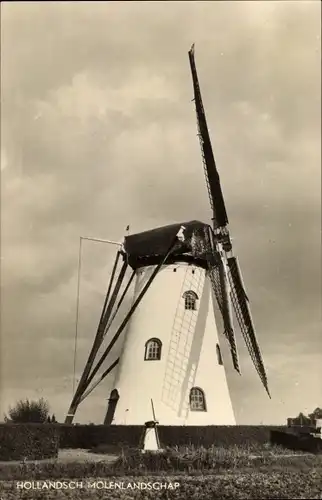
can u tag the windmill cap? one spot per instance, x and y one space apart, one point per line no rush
144 248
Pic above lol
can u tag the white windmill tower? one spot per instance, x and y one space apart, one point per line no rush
171 351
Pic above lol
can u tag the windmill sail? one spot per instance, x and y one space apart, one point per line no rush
228 325
224 274
216 198
244 318
194 246
221 287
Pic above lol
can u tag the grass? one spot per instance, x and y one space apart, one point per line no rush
248 472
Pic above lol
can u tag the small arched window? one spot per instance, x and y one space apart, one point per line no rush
219 356
153 350
190 299
197 399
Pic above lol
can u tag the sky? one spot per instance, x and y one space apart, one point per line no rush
98 131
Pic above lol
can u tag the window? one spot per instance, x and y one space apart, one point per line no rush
197 400
153 350
190 299
219 356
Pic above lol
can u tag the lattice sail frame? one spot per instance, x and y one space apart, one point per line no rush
202 247
242 311
223 267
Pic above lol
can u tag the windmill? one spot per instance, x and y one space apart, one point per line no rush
150 437
171 349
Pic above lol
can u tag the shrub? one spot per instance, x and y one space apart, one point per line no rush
28 441
303 442
29 411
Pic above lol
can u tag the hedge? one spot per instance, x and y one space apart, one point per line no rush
215 435
292 441
28 441
89 436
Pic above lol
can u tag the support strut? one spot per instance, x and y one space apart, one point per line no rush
119 303
132 310
90 389
106 312
83 389
82 397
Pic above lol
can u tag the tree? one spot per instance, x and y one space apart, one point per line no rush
317 413
29 411
301 419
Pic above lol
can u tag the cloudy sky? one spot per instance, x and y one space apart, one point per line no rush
98 131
